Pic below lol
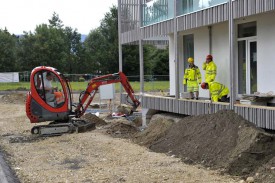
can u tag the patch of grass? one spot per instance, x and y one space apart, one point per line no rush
15 86
80 86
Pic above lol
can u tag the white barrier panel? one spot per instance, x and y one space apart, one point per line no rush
8 77
107 91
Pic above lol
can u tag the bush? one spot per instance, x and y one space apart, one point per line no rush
81 79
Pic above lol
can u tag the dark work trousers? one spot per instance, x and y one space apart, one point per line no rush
224 99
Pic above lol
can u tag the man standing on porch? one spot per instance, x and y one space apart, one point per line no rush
192 77
210 69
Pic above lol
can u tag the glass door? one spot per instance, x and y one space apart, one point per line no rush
252 65
188 51
247 66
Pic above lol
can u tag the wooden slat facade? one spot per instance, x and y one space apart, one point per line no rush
212 15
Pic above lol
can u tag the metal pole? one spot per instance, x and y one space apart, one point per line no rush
231 56
210 39
141 62
119 35
119 42
176 51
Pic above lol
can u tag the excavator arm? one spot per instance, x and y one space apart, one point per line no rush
87 96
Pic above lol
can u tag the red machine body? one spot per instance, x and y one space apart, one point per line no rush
37 108
39 104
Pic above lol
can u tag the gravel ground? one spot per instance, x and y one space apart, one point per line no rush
89 157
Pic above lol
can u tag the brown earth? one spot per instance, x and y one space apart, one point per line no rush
18 98
223 141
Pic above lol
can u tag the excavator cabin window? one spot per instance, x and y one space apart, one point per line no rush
49 88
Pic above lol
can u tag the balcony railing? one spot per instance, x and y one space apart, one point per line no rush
154 11
189 6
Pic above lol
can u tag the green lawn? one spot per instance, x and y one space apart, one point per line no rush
80 86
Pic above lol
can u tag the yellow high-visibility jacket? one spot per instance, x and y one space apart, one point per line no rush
217 91
192 74
210 71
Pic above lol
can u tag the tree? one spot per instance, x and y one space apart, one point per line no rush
102 43
74 51
55 21
8 62
160 60
101 47
131 60
51 45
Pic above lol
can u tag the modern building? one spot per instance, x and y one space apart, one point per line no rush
240 34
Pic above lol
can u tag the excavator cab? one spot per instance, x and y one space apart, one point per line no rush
49 97
54 96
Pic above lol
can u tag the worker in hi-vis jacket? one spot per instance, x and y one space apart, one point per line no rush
210 69
218 91
192 77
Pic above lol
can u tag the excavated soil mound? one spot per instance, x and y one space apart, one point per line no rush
93 119
121 129
16 98
222 140
156 129
266 173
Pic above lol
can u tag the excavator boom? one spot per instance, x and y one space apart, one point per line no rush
95 83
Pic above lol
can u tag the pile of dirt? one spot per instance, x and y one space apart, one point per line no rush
220 141
121 129
237 146
16 98
93 119
156 129
266 173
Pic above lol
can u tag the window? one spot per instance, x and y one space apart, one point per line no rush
49 88
247 30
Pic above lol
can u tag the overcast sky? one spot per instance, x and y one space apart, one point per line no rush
23 15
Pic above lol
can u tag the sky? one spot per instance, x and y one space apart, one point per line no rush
23 15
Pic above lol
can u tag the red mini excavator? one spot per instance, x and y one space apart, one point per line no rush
56 105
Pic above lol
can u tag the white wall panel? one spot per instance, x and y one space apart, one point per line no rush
220 47
266 52
201 50
172 65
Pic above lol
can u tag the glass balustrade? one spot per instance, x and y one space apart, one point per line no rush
189 6
154 11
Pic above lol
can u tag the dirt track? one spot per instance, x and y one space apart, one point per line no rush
88 157
212 146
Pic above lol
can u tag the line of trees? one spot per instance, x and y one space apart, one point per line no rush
59 46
